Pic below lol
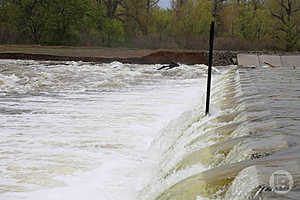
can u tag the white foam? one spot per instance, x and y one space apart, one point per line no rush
90 145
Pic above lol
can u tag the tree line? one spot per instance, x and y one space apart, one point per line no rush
241 24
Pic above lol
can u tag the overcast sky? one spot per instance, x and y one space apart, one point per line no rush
164 3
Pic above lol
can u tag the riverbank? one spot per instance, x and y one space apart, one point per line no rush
107 55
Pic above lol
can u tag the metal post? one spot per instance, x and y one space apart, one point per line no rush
210 58
211 44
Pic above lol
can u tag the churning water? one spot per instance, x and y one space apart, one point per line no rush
74 130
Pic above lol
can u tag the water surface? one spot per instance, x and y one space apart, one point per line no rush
74 130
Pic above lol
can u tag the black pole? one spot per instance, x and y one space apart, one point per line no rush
210 60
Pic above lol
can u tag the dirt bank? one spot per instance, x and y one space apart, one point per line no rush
110 55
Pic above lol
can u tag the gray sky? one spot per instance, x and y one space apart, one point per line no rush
164 3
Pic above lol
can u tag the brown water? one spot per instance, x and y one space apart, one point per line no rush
76 130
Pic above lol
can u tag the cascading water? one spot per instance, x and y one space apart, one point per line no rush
74 130
187 146
233 153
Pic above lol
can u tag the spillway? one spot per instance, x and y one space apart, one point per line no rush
251 137
75 130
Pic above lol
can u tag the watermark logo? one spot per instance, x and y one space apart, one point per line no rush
281 182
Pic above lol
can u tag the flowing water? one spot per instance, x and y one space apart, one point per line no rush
74 130
234 153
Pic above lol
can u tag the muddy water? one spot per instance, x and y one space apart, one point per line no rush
74 130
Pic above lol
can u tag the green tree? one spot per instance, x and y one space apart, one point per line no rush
252 21
47 21
112 32
286 15
195 18
5 22
106 28
65 18
111 7
29 17
162 19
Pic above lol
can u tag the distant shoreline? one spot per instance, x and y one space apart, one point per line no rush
107 55
158 57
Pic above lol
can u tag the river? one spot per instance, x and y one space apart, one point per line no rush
75 130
